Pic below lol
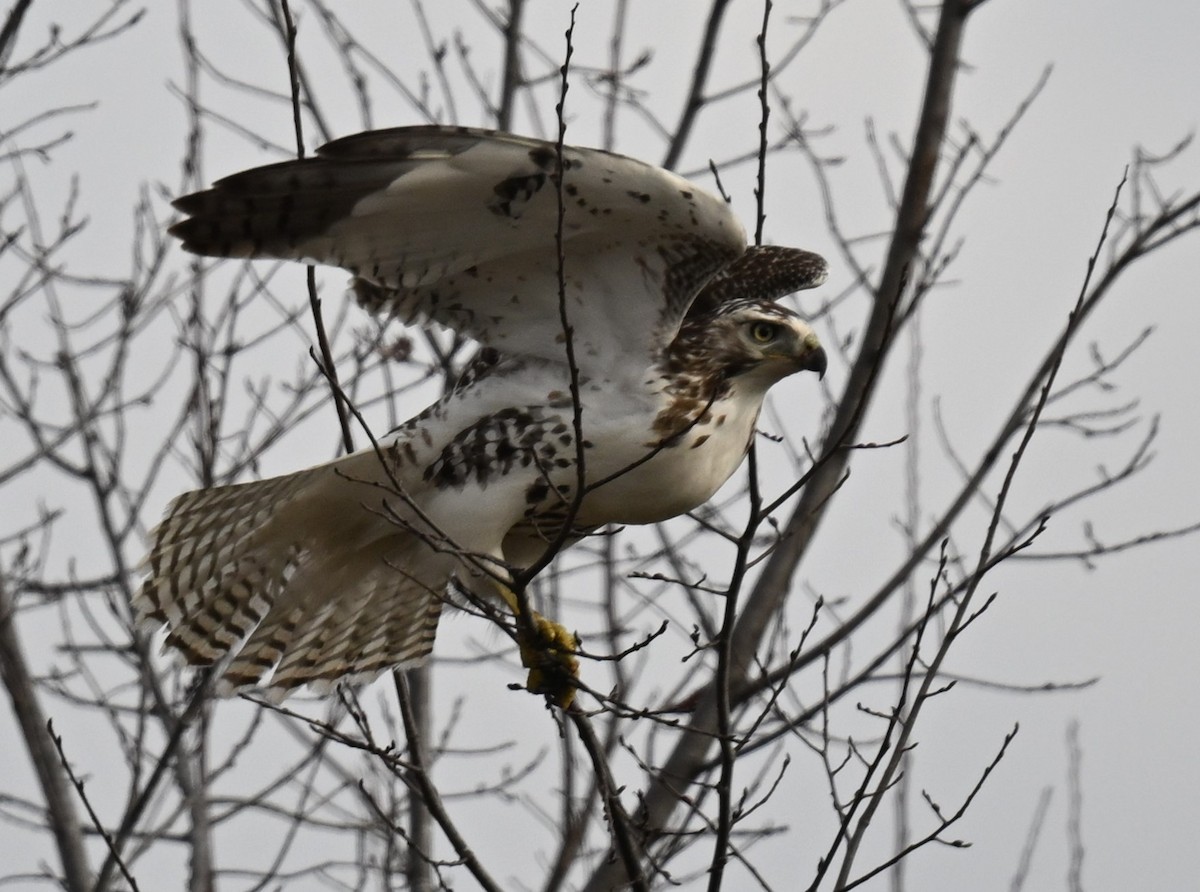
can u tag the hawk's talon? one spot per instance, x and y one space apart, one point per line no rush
549 655
547 651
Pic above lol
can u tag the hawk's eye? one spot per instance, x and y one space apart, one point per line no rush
763 332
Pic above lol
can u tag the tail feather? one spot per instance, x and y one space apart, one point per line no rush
291 581
261 653
380 637
207 538
230 607
385 625
300 639
324 593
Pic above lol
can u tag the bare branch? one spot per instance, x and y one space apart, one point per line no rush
40 742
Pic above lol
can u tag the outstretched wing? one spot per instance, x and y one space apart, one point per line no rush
763 273
461 226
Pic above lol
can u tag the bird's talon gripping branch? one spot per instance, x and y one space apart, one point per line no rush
549 655
548 652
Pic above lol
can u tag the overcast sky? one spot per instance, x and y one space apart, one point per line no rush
1124 74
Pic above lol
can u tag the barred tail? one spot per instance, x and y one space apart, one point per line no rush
292 574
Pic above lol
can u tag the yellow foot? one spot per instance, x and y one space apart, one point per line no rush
548 652
549 655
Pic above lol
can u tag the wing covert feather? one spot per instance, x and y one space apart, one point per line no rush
459 226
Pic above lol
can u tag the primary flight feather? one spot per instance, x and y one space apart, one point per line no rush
339 572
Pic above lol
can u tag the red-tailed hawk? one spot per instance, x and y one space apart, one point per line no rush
340 571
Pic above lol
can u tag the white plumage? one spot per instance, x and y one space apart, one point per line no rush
340 571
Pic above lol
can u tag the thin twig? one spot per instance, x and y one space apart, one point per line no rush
328 366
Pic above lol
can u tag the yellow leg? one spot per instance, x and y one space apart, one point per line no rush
548 652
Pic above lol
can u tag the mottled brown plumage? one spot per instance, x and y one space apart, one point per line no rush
340 571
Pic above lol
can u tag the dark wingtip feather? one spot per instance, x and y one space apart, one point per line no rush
269 211
203 236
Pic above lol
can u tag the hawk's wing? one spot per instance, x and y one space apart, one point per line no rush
764 272
460 226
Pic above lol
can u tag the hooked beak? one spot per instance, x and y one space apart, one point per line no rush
811 357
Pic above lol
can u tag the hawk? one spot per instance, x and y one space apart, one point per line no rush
628 336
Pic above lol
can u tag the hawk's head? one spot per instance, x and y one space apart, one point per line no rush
757 342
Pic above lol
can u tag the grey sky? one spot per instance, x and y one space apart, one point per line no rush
1125 74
